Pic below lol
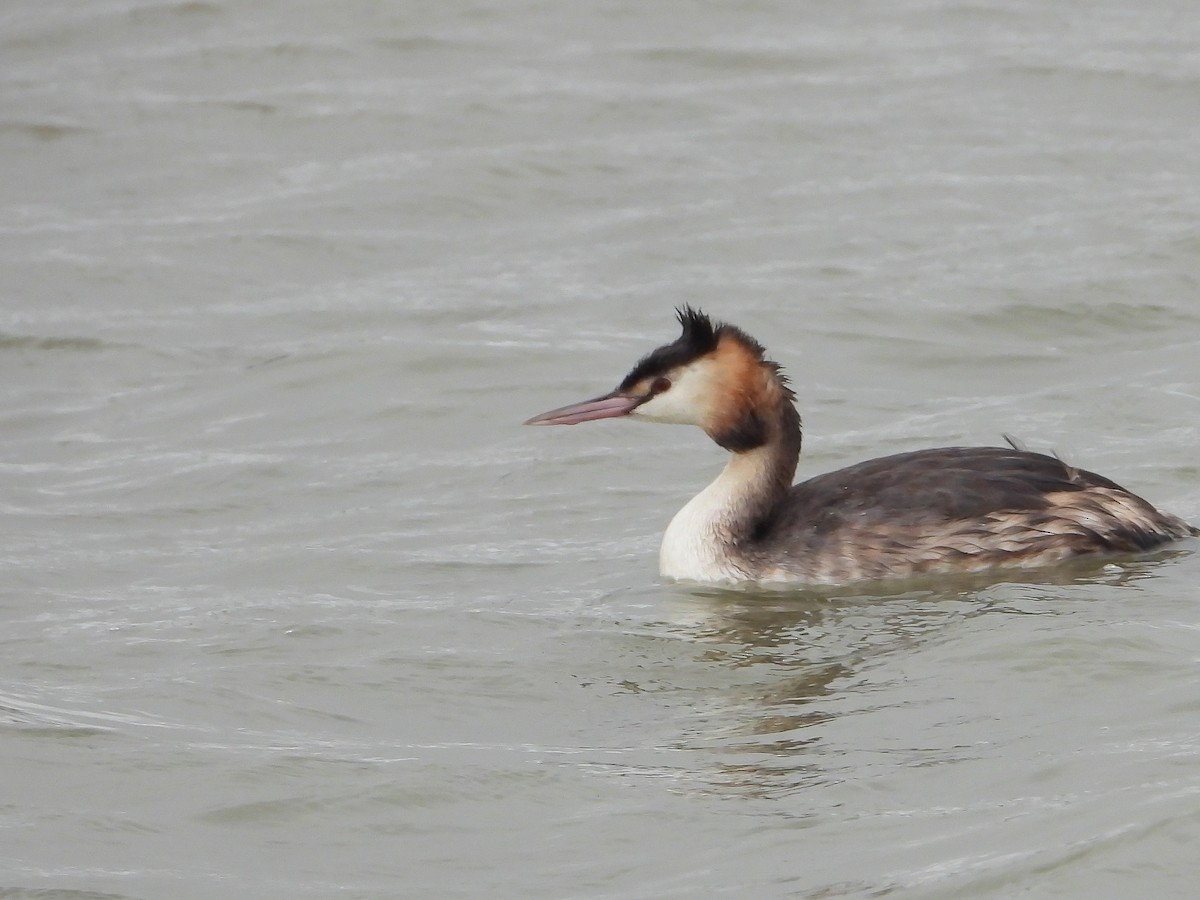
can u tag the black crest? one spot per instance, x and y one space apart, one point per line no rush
698 329
699 337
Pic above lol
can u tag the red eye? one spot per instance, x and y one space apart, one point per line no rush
660 385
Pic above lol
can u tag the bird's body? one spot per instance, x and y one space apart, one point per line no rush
954 509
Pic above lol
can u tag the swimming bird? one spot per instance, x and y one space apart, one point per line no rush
928 512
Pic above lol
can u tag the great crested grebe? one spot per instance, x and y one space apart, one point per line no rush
952 509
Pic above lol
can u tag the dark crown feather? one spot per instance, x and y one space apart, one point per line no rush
700 336
699 332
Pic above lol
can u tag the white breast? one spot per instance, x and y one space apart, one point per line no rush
695 546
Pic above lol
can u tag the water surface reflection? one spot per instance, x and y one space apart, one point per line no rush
819 682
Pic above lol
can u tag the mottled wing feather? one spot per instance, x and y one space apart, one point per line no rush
941 485
955 508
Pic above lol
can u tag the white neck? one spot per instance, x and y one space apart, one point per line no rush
700 544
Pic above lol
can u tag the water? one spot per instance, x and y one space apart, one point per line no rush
293 607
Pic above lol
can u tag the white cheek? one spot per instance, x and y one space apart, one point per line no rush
685 402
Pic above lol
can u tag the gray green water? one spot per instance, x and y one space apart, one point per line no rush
293 607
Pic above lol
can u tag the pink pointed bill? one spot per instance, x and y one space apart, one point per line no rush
607 407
